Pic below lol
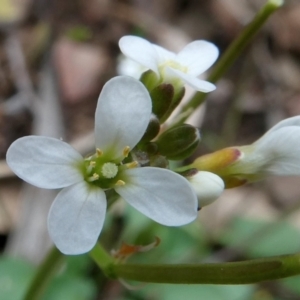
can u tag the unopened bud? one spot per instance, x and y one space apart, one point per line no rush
178 142
208 187
217 161
230 164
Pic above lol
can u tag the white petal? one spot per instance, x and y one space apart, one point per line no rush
294 121
122 114
140 50
198 56
208 187
161 195
281 150
76 218
129 67
194 82
44 162
163 54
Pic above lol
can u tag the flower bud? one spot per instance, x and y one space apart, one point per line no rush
277 152
178 142
217 161
208 186
224 163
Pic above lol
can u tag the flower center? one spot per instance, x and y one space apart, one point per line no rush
109 170
174 65
105 172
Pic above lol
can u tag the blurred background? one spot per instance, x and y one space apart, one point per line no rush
55 56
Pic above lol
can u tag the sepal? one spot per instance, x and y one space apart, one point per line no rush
152 129
162 98
178 95
150 80
224 163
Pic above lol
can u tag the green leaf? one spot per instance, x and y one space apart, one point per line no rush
71 288
264 238
196 292
15 276
292 284
78 264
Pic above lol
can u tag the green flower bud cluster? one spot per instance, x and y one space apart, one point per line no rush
175 143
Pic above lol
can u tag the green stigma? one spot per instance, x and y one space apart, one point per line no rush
109 170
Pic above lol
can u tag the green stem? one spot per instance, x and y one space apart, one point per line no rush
53 261
231 54
45 273
243 272
103 260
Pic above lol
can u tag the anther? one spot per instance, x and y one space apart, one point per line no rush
99 152
126 151
93 178
132 165
120 183
91 166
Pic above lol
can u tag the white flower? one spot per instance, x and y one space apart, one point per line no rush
277 152
187 65
77 214
208 187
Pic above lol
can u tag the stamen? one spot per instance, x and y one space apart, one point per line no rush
91 167
126 151
120 183
93 178
132 165
99 152
175 65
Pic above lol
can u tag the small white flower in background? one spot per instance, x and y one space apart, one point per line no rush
77 214
208 187
193 60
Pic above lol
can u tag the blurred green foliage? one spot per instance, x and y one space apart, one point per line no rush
70 284
77 279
